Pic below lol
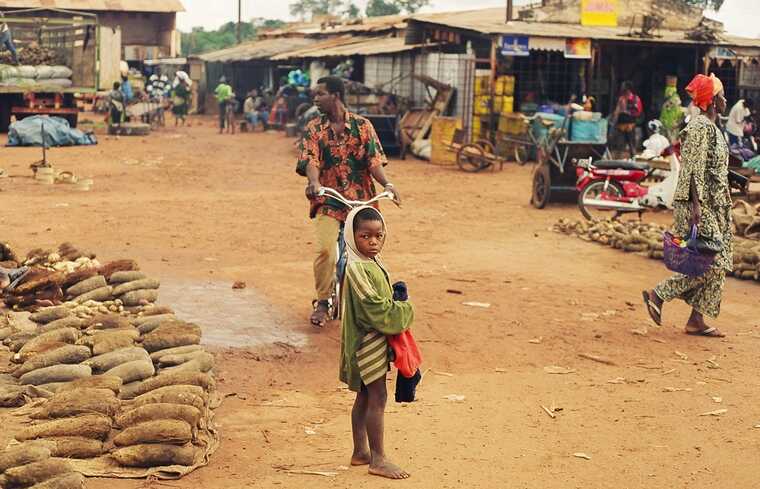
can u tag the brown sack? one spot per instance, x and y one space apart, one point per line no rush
56 373
95 426
152 412
154 455
79 401
171 431
36 472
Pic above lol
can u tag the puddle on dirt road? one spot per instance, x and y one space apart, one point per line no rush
229 318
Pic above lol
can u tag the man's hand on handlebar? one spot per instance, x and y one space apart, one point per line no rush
312 190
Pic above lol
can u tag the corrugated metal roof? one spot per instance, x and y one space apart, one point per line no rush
491 22
260 49
350 46
165 6
365 25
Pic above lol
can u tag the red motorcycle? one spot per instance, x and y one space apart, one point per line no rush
608 188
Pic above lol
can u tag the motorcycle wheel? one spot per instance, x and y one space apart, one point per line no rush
593 191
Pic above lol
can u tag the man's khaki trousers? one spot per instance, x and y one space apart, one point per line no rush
328 229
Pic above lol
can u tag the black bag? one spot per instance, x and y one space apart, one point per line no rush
705 246
407 388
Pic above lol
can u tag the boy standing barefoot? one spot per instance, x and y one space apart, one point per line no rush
369 314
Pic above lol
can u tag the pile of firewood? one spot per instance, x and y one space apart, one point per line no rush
33 54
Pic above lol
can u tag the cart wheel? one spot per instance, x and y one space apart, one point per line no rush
487 146
471 158
521 154
541 186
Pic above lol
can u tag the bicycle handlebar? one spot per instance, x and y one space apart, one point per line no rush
329 192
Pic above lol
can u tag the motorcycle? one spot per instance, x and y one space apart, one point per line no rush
609 188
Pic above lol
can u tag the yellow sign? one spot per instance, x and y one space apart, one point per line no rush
599 12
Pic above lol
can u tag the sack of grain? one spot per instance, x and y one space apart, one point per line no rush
180 350
49 314
74 447
152 412
79 401
146 283
12 396
80 275
180 358
205 381
139 297
63 335
158 340
203 362
17 341
87 285
95 426
133 371
124 277
113 384
22 455
170 431
108 321
189 395
56 373
67 322
36 472
100 295
107 361
60 71
155 310
68 354
37 350
6 332
118 266
151 455
72 480
112 340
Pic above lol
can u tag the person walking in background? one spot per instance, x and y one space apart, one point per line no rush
6 39
626 115
736 119
181 97
702 198
116 104
223 94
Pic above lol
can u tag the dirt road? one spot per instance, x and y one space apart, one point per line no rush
200 210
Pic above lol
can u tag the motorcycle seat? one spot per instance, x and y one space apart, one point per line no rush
621 165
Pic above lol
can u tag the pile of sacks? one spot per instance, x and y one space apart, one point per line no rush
77 278
35 76
647 240
746 220
35 465
113 384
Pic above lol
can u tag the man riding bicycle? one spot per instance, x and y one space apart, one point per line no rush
341 150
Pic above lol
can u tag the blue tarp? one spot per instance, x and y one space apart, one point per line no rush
28 132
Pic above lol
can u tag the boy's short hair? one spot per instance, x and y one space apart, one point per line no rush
368 214
116 85
334 85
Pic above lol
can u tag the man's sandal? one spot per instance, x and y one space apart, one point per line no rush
709 332
320 313
652 308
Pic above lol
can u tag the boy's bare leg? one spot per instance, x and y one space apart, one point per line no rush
379 465
359 429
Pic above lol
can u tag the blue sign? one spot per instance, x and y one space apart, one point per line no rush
515 46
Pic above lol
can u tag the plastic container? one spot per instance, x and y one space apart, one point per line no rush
591 131
539 131
46 179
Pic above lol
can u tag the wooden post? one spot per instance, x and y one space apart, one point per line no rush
495 41
240 22
510 10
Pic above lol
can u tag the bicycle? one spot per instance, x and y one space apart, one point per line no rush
334 302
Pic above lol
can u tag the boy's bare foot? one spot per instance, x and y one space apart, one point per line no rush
388 470
361 458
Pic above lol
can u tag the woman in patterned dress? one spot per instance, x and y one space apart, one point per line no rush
703 179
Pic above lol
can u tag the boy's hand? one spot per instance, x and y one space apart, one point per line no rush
400 292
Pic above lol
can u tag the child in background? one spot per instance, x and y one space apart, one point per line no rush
369 314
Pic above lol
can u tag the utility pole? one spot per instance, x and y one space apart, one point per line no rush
510 9
240 22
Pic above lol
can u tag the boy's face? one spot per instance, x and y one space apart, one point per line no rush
370 238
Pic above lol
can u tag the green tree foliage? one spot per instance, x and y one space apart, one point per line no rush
305 9
377 8
200 40
352 11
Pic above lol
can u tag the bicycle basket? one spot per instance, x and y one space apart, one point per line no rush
686 260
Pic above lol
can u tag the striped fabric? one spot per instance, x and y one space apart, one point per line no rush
372 357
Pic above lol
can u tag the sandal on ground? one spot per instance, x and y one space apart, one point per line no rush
709 332
320 313
652 308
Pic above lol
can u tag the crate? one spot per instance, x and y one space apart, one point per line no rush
513 124
589 131
507 104
482 105
505 85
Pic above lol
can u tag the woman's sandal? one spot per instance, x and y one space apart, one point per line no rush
711 332
319 314
652 308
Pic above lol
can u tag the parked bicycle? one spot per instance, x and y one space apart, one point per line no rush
334 303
